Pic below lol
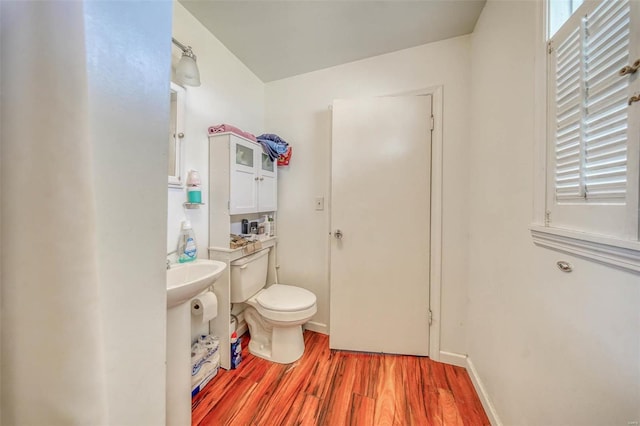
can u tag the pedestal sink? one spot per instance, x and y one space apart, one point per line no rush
184 282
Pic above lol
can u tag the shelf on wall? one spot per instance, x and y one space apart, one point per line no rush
193 205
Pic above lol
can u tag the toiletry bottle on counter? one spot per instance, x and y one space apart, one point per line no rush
272 227
267 226
187 247
194 193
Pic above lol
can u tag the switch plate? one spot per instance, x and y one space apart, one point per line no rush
319 203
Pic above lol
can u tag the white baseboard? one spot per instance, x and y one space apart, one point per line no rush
453 358
461 360
482 394
318 327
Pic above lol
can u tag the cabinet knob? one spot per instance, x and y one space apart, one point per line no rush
256 178
261 178
181 135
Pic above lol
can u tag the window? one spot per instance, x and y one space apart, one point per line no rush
593 122
559 12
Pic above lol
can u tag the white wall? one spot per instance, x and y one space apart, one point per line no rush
551 348
229 93
297 110
128 73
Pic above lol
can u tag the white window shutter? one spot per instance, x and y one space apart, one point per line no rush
590 106
568 117
605 133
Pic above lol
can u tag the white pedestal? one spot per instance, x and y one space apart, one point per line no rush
179 365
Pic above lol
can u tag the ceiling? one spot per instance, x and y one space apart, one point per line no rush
279 39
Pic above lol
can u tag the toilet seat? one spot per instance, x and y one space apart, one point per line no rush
285 304
285 298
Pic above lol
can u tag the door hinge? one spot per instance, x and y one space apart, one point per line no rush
547 218
228 205
430 317
433 123
549 48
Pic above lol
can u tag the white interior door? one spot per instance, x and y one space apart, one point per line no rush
380 201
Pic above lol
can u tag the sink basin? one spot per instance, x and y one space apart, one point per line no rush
187 280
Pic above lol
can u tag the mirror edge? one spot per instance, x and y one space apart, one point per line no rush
176 181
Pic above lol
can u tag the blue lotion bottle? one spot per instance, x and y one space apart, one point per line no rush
187 247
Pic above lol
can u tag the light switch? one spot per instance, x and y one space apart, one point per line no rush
319 203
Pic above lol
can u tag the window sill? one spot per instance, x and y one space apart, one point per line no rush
616 253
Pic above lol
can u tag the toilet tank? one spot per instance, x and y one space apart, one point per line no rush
248 275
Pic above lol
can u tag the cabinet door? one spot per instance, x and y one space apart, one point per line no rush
243 184
268 188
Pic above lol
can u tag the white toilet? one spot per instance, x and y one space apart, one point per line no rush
274 314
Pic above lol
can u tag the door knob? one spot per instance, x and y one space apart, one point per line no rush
338 234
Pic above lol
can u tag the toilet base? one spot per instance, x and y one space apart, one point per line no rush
281 344
287 345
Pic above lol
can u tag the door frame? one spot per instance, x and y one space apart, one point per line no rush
435 270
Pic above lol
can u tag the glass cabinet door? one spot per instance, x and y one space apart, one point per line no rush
267 164
244 155
244 160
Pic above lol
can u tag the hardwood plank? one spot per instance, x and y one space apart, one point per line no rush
253 368
430 394
266 386
463 393
414 382
450 414
362 410
385 392
231 404
335 408
281 403
402 410
294 378
366 374
337 388
211 395
322 367
309 412
293 413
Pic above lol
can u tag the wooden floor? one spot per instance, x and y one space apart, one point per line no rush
337 388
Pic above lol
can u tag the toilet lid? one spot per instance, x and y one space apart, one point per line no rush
288 298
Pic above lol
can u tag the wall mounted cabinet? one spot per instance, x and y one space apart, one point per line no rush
253 186
242 180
